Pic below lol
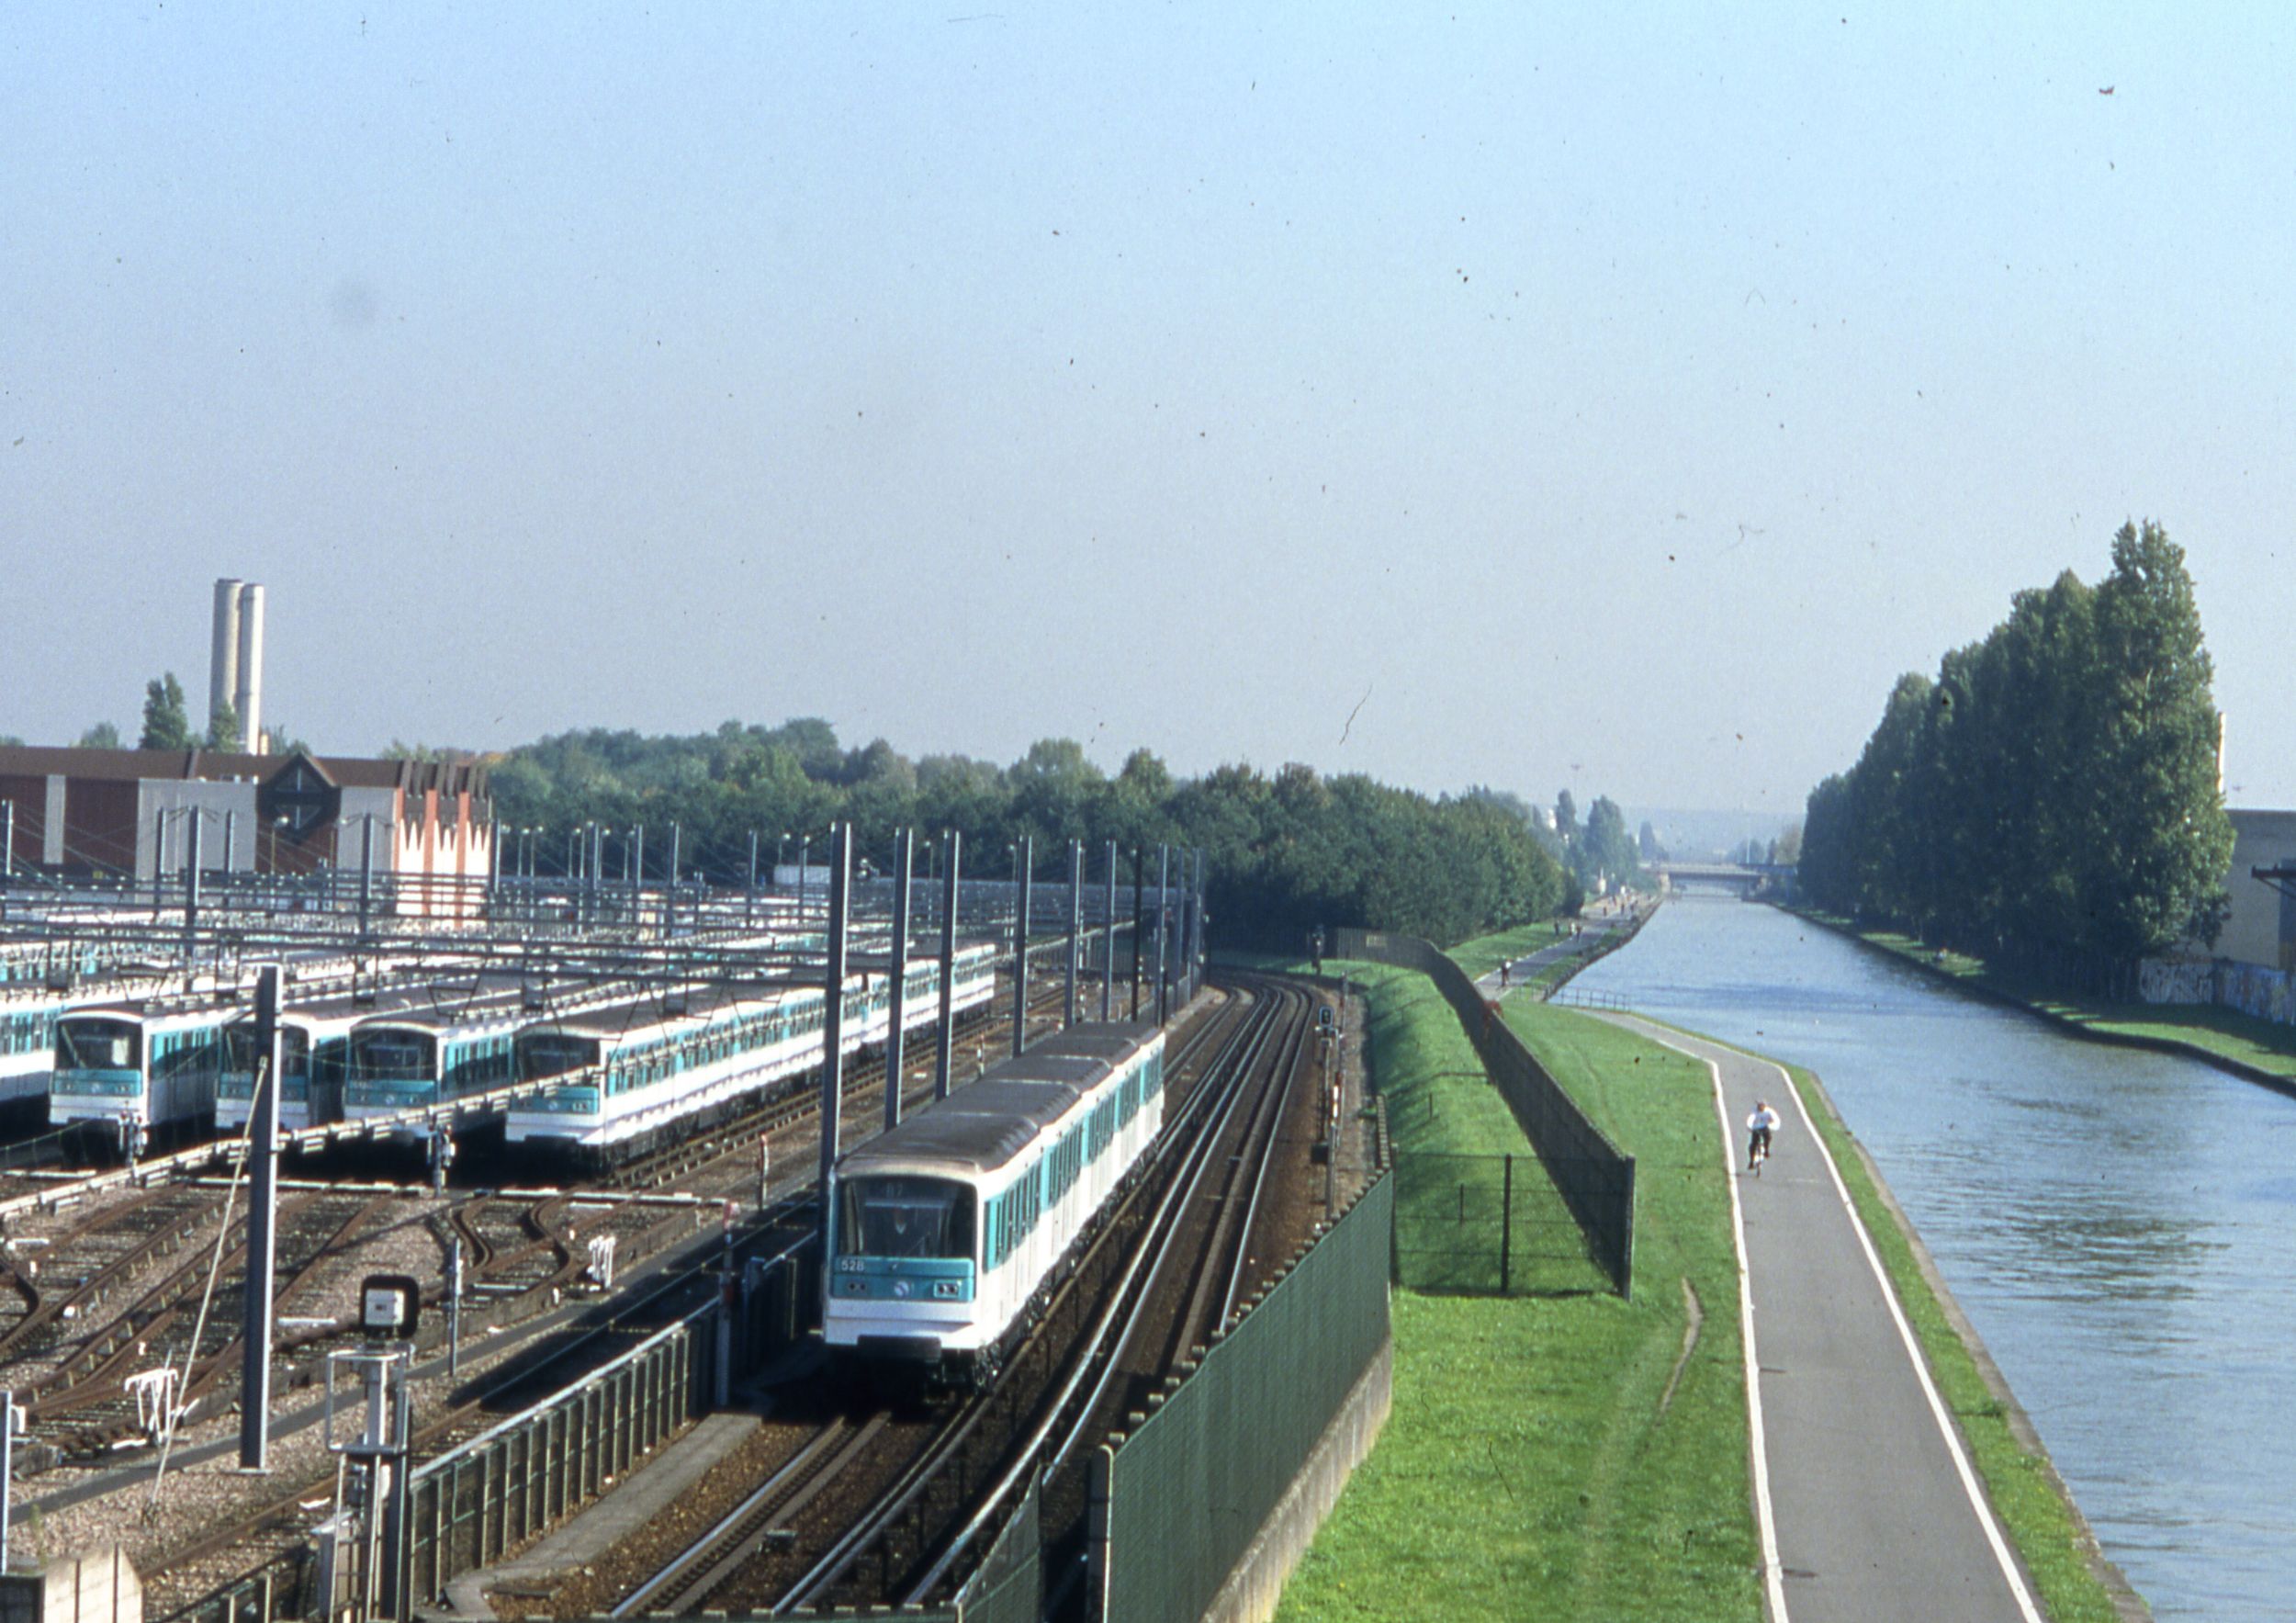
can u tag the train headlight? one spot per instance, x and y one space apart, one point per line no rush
948 1290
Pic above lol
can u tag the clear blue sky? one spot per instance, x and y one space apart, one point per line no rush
1619 398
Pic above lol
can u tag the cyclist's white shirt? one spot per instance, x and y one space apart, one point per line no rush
1760 1120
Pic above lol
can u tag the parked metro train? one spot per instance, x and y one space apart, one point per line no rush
315 1049
946 1228
426 1057
153 1061
28 1042
638 1070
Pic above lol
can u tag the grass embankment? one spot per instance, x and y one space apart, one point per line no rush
2035 1511
2212 1033
1481 956
1555 1456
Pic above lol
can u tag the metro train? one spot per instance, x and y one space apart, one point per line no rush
28 1043
153 1061
946 1229
637 1071
427 1057
315 1049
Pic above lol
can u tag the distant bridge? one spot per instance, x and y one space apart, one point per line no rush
1745 878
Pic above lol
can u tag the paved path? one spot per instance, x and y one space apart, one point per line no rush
1869 1508
1519 971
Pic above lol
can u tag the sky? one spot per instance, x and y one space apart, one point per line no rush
1606 397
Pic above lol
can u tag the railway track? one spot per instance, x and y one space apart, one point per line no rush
517 1246
892 1531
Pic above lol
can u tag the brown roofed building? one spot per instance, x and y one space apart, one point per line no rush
130 811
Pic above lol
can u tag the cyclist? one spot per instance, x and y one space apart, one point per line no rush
1759 1127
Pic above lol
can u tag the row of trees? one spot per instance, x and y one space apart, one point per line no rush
2052 796
1288 852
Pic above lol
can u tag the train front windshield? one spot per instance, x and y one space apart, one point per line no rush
905 1217
95 1044
553 1053
393 1057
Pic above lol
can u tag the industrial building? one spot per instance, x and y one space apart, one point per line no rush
131 813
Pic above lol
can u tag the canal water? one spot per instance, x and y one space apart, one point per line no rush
2120 1227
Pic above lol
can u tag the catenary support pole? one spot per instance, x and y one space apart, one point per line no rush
670 897
945 1039
366 872
1108 942
833 1027
750 897
191 890
1140 920
263 1233
1164 933
1023 860
1075 925
896 992
637 876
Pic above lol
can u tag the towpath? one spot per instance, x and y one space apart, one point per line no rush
1869 1509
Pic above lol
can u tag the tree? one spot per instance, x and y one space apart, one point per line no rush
1607 853
1652 852
102 735
2162 829
223 728
164 724
2053 797
1566 818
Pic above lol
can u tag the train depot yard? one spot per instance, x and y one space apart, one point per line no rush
584 1129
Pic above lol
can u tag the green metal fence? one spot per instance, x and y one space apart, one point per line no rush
1179 1500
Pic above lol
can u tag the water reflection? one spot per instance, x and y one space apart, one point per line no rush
2115 1223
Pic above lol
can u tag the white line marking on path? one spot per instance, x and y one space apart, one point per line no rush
1974 1492
2026 1608
1765 1519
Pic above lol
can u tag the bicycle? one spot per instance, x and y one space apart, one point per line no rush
1756 1152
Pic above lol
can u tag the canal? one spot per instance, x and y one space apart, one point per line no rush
2120 1227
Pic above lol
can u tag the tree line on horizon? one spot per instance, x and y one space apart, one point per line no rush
2051 799
1286 852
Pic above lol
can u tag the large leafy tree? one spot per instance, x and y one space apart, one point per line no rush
1285 854
165 726
2054 793
223 728
2159 826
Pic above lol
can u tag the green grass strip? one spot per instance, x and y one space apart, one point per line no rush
2035 1513
1529 1468
2206 1028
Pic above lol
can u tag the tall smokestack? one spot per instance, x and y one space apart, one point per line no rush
223 658
249 702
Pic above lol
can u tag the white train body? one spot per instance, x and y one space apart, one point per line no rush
636 1070
149 1063
946 1227
314 1061
431 1060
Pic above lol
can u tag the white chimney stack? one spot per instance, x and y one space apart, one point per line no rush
224 662
249 699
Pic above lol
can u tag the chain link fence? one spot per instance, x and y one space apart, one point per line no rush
1487 1225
